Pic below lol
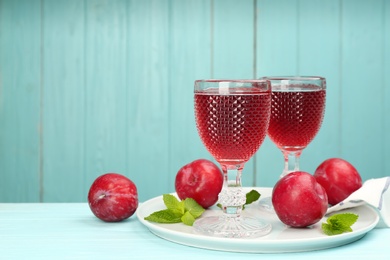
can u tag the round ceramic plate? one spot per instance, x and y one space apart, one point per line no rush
280 239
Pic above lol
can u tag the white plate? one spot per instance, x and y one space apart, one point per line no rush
281 238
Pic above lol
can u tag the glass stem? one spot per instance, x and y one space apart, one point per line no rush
232 197
291 162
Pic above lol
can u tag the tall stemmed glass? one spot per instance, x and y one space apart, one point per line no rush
232 118
297 111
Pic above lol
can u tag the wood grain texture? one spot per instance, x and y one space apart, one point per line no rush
64 96
362 86
190 51
95 86
106 88
70 231
385 86
20 100
148 96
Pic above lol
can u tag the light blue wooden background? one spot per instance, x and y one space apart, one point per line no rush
95 86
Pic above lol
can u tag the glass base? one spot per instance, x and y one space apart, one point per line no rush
232 227
266 204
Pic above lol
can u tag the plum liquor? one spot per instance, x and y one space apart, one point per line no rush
296 116
232 127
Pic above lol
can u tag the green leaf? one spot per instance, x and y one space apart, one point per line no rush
165 216
346 219
172 203
188 219
191 206
330 230
252 196
177 211
339 223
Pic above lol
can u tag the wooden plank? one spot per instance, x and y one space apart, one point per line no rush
20 90
107 88
385 87
63 101
361 107
147 96
190 56
319 54
277 54
385 151
277 37
233 42
233 50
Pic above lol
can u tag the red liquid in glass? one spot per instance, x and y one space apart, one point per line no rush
296 117
232 127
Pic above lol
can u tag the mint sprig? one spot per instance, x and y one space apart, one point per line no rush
177 211
251 197
339 223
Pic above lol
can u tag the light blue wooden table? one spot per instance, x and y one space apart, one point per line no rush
70 231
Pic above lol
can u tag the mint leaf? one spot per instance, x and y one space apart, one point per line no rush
188 219
164 216
252 196
339 223
177 211
172 203
191 206
347 219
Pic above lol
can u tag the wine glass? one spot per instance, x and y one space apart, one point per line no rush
297 111
232 118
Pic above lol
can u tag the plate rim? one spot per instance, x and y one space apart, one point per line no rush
260 244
